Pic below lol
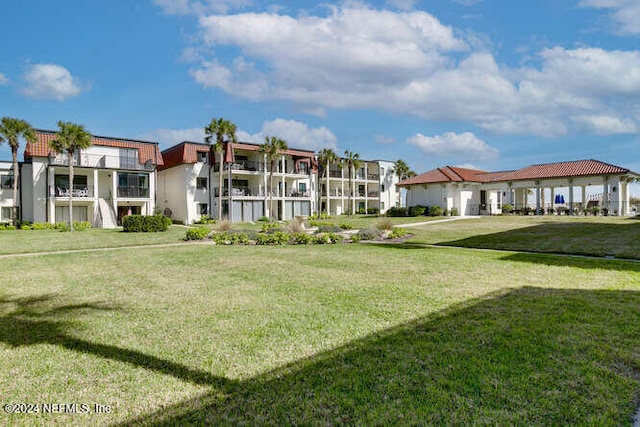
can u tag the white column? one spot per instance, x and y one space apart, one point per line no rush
114 192
95 196
538 199
553 198
571 198
51 193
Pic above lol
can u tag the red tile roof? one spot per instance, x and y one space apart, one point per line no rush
543 171
186 153
146 150
564 170
444 175
183 153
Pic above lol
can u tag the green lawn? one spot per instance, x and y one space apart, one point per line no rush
342 334
599 236
27 241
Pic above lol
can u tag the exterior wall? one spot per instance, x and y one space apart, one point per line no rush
172 191
6 194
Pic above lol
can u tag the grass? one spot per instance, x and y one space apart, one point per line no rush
598 236
28 241
368 221
346 334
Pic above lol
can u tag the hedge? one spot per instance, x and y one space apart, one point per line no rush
145 223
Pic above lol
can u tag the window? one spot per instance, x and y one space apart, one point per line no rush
128 158
6 214
382 173
383 188
382 205
7 181
201 183
133 184
203 157
203 208
302 187
62 181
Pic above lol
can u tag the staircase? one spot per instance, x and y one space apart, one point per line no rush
107 214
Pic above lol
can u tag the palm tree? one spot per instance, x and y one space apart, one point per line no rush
402 170
11 130
224 132
327 157
352 161
273 148
71 138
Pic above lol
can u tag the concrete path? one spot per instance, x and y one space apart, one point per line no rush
438 221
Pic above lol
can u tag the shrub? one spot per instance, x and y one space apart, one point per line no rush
373 211
329 229
301 239
605 211
7 227
397 232
327 239
361 211
205 219
320 223
346 226
454 212
271 227
395 212
417 210
277 238
595 210
384 224
197 233
239 238
143 223
24 225
507 208
368 234
263 219
41 226
435 211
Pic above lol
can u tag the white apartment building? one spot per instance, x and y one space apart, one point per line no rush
189 183
374 188
114 177
6 191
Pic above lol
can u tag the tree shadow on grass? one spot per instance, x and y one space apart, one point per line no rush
577 238
525 356
37 320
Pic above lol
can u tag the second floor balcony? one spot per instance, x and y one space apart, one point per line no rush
78 191
102 161
133 192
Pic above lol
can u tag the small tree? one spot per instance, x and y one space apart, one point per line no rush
11 130
327 157
224 132
352 161
273 148
70 138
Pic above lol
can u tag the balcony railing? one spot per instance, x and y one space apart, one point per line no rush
373 177
335 174
82 191
133 192
247 165
102 161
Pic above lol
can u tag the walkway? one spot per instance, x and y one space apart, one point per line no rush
438 221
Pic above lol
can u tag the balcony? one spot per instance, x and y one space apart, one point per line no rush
373 177
335 174
247 165
102 161
78 191
133 192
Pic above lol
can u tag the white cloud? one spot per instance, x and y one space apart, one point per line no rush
188 7
402 4
3 79
626 13
357 57
464 146
50 81
170 137
297 134
606 125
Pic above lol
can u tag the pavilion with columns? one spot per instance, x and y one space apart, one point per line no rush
573 187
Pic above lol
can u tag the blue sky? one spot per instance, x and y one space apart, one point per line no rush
493 84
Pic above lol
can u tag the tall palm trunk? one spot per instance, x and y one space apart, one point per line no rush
350 191
14 211
326 173
70 160
220 168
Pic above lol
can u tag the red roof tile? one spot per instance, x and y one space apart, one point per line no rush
563 170
542 171
444 175
183 153
146 150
